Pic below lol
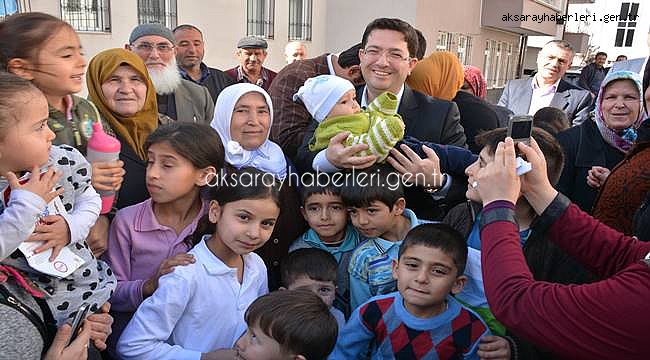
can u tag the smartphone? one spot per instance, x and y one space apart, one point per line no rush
520 128
78 319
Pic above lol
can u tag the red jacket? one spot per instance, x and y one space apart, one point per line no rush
608 319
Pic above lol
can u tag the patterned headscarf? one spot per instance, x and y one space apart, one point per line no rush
439 75
625 138
477 83
133 129
267 157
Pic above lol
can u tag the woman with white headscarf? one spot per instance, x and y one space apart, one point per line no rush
243 116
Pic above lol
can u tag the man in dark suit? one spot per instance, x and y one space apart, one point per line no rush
546 88
389 47
291 119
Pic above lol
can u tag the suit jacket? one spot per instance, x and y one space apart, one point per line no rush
574 101
193 103
291 119
427 119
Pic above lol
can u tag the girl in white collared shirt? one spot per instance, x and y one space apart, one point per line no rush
200 307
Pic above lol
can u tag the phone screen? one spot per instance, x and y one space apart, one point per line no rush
521 129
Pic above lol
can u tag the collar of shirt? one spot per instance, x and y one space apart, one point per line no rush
263 78
364 97
204 74
546 90
329 64
215 266
145 219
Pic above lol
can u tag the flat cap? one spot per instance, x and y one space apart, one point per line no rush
151 29
252 42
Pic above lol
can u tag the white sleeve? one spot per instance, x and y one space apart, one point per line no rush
18 220
145 337
320 163
87 202
84 214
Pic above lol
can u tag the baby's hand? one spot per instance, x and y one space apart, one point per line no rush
54 230
39 184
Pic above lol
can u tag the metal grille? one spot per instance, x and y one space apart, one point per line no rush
158 11
259 18
300 19
87 15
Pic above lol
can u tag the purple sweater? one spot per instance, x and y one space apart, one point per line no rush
137 244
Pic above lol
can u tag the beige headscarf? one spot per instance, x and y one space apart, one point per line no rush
133 129
439 75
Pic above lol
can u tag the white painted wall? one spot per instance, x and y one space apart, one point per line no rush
347 19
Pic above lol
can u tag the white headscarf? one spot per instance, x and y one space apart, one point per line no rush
267 157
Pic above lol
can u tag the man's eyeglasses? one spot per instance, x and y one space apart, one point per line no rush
146 47
393 56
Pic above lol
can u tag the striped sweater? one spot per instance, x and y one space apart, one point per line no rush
389 331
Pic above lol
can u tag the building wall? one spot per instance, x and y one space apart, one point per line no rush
223 24
346 20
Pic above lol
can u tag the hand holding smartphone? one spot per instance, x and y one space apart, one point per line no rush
520 129
78 319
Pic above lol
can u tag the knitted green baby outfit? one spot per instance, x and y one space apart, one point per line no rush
379 126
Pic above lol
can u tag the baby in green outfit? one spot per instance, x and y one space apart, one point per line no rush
331 102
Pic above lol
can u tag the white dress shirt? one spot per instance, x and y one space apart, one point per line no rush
197 308
542 97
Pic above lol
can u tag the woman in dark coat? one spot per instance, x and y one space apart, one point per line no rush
595 147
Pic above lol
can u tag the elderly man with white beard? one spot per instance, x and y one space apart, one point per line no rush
177 98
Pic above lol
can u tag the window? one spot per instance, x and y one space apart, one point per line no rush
498 65
487 63
300 19
464 48
259 18
87 15
498 62
157 11
442 43
625 30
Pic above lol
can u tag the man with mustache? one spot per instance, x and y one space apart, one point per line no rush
546 88
251 52
177 98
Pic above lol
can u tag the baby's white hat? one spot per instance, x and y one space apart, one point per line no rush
321 93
